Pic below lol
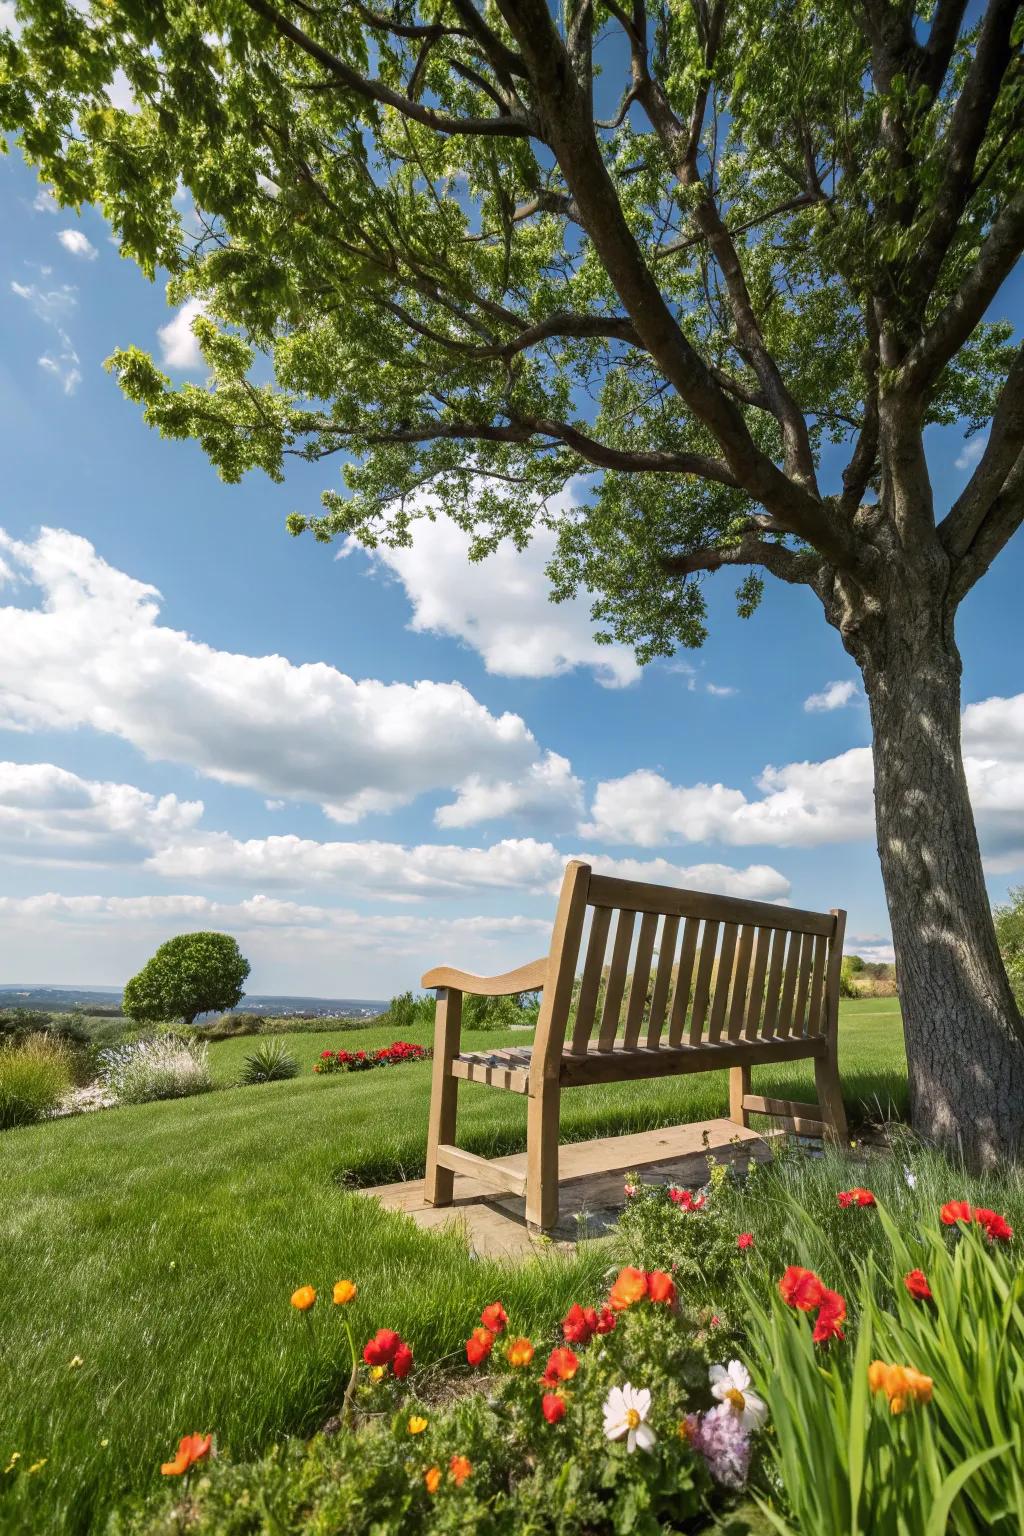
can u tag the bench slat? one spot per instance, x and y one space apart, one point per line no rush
756 997
684 980
785 1015
623 1066
815 1013
741 976
799 1026
639 896
497 1175
773 986
723 978
702 987
615 986
662 981
590 982
641 977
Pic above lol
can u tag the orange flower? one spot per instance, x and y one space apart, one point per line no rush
303 1298
629 1287
552 1406
461 1468
344 1291
660 1287
848 1197
494 1317
902 1384
191 1448
519 1352
801 1288
917 1284
479 1345
562 1366
432 1479
417 1424
954 1211
831 1313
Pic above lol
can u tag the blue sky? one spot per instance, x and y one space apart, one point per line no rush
401 784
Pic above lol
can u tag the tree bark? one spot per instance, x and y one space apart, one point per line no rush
964 1034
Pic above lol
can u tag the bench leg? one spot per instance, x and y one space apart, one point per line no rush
830 1097
439 1185
542 1157
739 1085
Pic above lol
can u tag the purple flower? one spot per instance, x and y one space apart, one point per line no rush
720 1438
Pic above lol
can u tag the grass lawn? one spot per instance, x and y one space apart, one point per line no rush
160 1245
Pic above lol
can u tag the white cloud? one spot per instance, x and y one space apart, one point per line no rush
52 816
78 244
500 606
44 200
53 306
274 805
8 20
178 345
94 653
812 803
833 696
398 872
971 452
720 690
119 93
548 793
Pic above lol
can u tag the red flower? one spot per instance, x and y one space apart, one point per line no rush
630 1286
855 1197
745 1240
660 1287
383 1347
191 1448
552 1406
993 1225
562 1366
831 1313
479 1345
605 1320
954 1211
325 1055
579 1324
402 1363
686 1199
494 1317
801 1288
917 1285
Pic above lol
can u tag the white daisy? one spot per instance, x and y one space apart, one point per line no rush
625 1409
731 1384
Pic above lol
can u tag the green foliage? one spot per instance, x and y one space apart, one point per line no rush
192 974
354 301
15 1023
845 1462
35 1074
270 1062
1010 933
697 1246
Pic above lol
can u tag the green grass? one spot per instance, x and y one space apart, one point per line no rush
161 1243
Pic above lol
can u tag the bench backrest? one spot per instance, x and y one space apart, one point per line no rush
664 967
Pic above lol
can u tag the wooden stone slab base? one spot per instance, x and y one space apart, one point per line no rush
591 1193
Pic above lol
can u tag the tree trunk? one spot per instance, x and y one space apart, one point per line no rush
965 1039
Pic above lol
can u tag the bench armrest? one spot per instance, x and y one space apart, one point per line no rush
528 978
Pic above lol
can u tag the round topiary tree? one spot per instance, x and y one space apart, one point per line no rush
192 974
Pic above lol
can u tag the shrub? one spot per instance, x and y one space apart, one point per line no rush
1010 933
192 974
270 1062
35 1074
361 1061
168 1067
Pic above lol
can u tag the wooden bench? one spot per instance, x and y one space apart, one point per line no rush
713 982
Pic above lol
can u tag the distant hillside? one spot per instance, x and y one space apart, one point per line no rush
63 999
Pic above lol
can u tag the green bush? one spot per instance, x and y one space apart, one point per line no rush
192 974
1010 933
270 1062
35 1074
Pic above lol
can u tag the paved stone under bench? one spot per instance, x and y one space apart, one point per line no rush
591 1193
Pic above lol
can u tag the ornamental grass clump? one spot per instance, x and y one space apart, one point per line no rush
169 1067
35 1074
270 1062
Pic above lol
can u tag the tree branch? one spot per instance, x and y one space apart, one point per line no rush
961 525
795 566
948 332
511 125
1000 523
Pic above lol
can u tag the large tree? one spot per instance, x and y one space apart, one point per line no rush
695 250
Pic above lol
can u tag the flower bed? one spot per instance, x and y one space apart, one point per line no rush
361 1061
896 1407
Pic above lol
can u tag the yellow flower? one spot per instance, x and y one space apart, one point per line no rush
15 1458
344 1291
75 1363
432 1479
303 1298
37 1466
104 1443
378 1372
417 1425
